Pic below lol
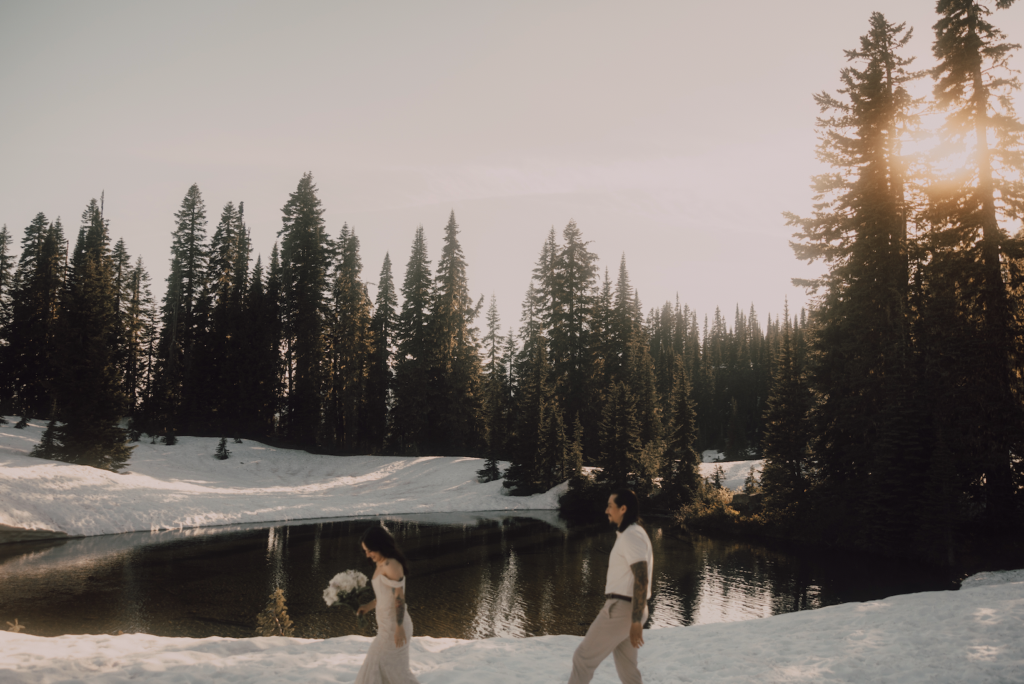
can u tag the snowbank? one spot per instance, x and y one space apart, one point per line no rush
971 635
184 486
735 472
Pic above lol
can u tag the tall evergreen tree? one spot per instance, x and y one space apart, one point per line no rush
786 474
262 384
496 394
138 327
572 357
457 424
88 388
349 350
6 276
307 254
181 319
37 289
981 354
384 328
681 474
413 389
862 338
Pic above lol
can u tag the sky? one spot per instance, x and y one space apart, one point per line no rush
674 133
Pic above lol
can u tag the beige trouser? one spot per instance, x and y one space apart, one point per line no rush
609 633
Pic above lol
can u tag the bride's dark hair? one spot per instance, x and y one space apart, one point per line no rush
378 539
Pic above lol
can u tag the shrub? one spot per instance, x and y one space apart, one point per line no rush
222 449
274 620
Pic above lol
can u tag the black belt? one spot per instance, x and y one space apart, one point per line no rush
620 597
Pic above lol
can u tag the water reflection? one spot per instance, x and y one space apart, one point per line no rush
471 576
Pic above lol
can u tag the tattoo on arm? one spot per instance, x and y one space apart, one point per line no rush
639 590
399 604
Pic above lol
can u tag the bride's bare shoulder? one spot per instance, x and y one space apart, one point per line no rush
392 569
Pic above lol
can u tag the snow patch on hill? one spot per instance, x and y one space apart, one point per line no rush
184 486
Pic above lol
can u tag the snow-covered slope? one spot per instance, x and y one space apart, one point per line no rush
181 486
735 471
948 637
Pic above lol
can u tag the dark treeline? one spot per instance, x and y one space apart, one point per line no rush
295 352
889 416
896 422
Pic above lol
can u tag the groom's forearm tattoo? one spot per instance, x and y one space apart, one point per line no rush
399 604
639 590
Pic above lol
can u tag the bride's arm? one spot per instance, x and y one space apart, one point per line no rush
367 607
399 593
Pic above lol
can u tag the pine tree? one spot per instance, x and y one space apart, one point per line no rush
220 350
181 318
222 453
6 276
457 423
349 351
786 447
139 328
413 389
682 474
261 396
36 291
306 256
620 437
862 345
495 393
981 351
531 463
718 477
88 388
380 381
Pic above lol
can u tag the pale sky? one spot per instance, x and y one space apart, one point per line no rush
672 132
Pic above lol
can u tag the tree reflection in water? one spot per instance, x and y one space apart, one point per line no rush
470 576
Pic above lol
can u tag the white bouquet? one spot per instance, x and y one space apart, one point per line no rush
349 588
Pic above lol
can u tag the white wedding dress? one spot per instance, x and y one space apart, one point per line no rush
384 663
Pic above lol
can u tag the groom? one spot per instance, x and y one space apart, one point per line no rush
618 628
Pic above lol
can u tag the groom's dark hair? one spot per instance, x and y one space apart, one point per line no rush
626 497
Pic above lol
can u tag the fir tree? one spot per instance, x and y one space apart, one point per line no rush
88 387
181 317
682 473
263 384
620 437
306 256
384 328
457 423
37 289
349 352
413 390
980 352
788 432
862 343
495 393
222 452
139 330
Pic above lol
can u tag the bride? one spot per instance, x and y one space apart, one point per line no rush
387 661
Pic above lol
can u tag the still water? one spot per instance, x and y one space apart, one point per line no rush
471 576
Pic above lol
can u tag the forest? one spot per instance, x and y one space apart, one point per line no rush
889 414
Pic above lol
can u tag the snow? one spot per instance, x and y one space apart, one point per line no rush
184 486
712 456
945 637
735 472
971 635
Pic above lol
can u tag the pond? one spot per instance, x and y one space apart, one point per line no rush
471 575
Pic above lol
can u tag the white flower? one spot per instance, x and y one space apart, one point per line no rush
344 583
